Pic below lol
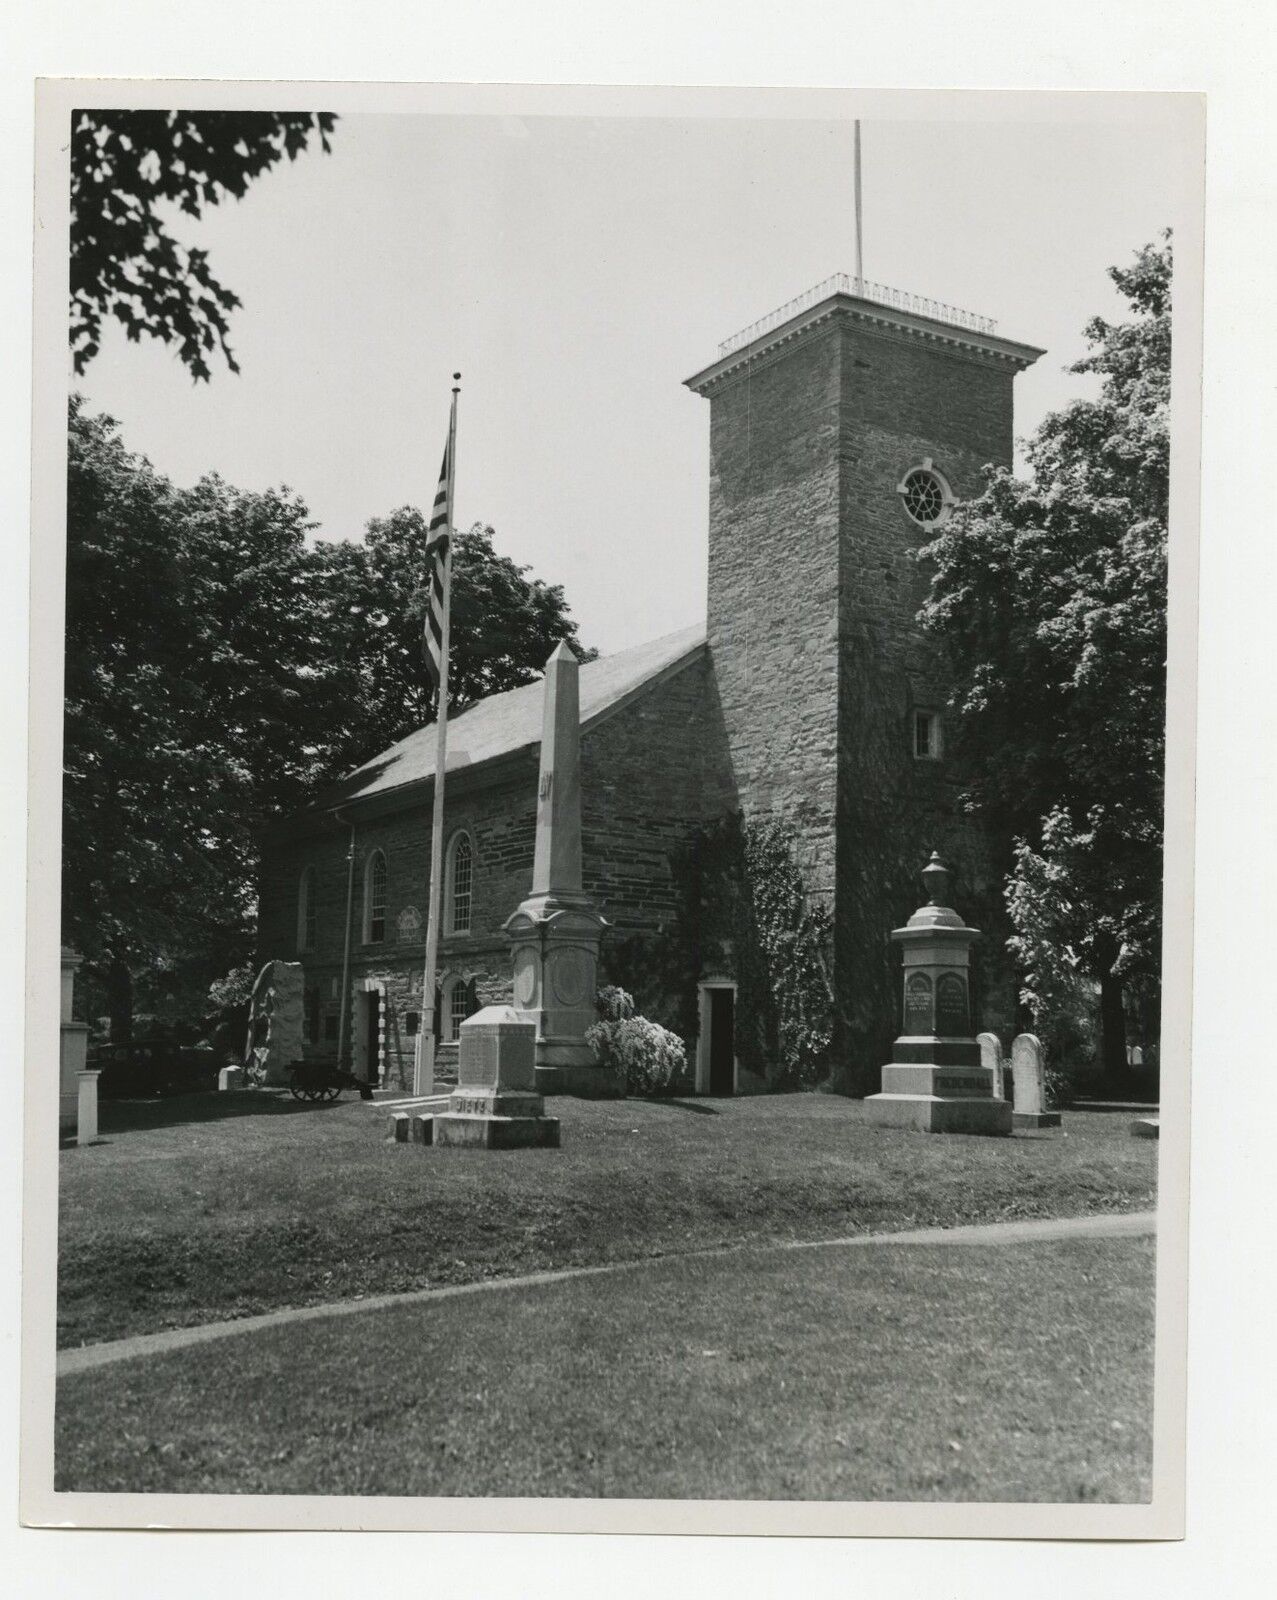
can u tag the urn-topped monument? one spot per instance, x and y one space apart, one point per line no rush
555 933
935 1080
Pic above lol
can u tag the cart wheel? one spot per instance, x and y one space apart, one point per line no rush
332 1091
295 1088
313 1094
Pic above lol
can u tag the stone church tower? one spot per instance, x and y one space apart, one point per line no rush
841 429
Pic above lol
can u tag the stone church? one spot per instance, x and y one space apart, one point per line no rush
843 427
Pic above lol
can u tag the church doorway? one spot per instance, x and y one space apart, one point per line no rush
367 1031
716 1049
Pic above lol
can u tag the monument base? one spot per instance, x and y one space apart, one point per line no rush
928 1113
1036 1119
496 1119
586 1082
939 1099
569 1066
496 1133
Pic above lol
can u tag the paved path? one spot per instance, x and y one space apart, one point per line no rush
1107 1226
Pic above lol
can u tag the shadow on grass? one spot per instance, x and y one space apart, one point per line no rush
135 1115
683 1105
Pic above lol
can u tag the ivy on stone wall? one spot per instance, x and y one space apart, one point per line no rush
783 971
742 911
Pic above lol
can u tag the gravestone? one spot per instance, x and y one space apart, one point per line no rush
86 1124
936 1080
1028 1083
275 1021
496 1104
991 1060
73 1046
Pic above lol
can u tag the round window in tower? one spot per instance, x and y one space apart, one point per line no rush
927 497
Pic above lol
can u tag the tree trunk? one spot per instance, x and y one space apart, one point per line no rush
1112 1024
119 1000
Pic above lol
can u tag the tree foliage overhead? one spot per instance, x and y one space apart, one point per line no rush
127 167
1050 594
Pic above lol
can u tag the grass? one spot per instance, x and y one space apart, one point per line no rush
209 1207
1004 1372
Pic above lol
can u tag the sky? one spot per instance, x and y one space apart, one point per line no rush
576 270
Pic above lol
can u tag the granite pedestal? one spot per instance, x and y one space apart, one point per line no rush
495 1105
935 1081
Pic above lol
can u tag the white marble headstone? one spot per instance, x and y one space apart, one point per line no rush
1028 1073
991 1057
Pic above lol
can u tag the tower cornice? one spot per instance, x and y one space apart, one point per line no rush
974 343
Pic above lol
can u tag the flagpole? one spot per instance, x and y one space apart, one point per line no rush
424 1073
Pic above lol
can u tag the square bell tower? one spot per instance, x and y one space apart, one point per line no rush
842 428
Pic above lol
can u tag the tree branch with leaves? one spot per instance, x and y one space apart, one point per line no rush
127 169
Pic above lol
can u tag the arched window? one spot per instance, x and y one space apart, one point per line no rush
459 883
307 920
375 899
460 1000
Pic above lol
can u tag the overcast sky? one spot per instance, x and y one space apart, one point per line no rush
576 271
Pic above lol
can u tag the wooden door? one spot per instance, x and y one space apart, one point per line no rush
722 1041
372 1039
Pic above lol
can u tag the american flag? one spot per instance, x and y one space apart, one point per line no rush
438 534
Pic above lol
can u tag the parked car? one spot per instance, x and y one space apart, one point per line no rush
154 1068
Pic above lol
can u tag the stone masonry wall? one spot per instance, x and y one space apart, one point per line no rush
903 401
773 592
640 795
816 650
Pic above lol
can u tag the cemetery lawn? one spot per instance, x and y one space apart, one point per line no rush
1016 1372
208 1207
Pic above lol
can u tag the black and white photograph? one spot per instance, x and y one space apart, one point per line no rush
626 667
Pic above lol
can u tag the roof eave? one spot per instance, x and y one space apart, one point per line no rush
397 797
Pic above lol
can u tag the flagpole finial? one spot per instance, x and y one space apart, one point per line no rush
456 378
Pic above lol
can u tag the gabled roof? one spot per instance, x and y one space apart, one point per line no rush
505 724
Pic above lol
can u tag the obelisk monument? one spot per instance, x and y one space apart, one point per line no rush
555 933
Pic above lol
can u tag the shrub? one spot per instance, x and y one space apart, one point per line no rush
650 1057
614 1004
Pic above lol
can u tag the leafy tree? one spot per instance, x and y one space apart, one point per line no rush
126 167
132 865
220 670
504 625
1050 593
199 697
